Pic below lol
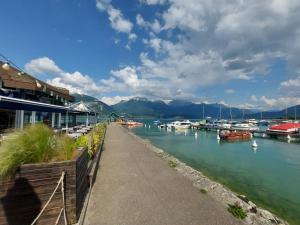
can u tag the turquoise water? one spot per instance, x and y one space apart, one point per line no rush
269 176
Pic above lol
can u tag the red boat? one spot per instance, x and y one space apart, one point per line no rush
133 123
284 129
234 136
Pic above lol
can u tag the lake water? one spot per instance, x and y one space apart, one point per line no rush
269 176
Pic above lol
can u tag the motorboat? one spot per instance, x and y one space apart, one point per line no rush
224 126
185 124
163 126
245 126
133 123
251 121
284 129
234 136
170 125
156 122
263 123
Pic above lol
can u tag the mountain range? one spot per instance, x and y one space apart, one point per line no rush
94 103
289 113
142 107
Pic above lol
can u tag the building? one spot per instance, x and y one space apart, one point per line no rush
25 100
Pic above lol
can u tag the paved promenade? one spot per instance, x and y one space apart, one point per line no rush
136 187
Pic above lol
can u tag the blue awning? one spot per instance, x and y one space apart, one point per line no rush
21 104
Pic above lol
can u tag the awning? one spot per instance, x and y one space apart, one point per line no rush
21 104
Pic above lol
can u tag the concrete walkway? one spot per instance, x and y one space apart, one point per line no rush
136 187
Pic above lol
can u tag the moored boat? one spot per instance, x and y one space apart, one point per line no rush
156 122
133 123
245 127
284 129
233 136
185 124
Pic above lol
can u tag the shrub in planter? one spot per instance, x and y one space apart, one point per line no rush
65 148
34 144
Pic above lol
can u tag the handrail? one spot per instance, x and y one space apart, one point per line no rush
60 182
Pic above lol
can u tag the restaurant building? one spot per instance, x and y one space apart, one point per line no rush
25 100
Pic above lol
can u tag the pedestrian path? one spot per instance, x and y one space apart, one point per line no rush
136 187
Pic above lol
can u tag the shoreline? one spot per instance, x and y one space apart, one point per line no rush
222 194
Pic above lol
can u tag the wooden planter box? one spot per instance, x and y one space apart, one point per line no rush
23 197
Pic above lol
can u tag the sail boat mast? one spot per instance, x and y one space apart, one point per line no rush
203 111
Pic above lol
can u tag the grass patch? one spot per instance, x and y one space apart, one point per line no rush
203 191
172 164
237 211
39 144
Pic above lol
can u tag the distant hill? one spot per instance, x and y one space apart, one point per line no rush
289 113
85 98
94 103
141 107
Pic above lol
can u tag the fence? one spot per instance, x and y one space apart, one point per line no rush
23 198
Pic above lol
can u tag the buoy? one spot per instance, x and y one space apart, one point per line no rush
254 144
218 137
289 137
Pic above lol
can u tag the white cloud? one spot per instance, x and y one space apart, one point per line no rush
155 26
229 91
281 102
126 80
221 40
117 20
76 82
140 20
42 65
292 83
115 99
153 2
254 98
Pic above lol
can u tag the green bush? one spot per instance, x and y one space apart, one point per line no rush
237 211
38 143
65 148
172 164
203 191
92 140
32 145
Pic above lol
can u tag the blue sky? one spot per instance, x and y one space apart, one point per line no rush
242 53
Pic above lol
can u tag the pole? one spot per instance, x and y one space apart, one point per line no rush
67 122
203 111
87 119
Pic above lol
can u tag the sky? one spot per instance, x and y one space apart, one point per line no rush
236 52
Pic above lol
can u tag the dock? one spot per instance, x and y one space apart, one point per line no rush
134 186
256 133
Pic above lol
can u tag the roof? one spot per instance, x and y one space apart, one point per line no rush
80 106
285 126
11 79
